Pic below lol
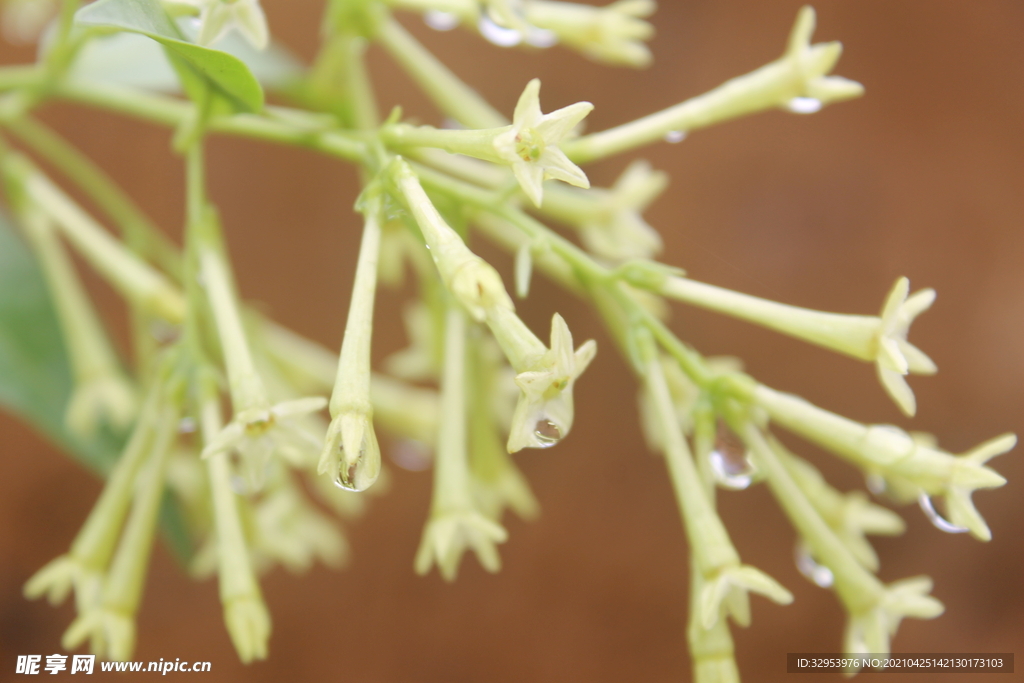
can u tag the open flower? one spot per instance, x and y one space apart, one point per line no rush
257 433
895 356
530 146
813 62
869 631
218 17
448 535
913 467
544 413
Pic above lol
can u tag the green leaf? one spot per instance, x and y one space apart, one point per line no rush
133 60
198 67
35 377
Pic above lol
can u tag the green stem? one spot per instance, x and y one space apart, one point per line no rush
709 541
139 231
451 465
284 129
766 88
857 588
133 277
449 93
853 335
123 586
352 385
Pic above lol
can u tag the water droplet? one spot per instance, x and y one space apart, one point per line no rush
728 473
819 575
440 21
547 433
346 477
875 483
940 522
804 105
674 137
499 35
542 38
411 455
187 425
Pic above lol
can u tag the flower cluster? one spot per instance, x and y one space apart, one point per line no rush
489 386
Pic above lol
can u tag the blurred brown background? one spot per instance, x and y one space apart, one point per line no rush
923 177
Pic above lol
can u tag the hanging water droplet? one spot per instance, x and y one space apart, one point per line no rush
804 105
187 425
674 137
547 433
937 520
728 473
440 21
819 575
499 35
541 37
875 483
347 477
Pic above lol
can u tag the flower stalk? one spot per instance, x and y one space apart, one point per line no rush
799 73
351 452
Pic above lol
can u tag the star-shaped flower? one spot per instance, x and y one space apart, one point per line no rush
111 632
870 630
448 535
894 355
813 62
218 17
257 433
544 412
530 145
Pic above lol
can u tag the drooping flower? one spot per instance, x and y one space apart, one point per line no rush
544 412
257 433
449 534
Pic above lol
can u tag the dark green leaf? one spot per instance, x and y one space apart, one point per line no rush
199 67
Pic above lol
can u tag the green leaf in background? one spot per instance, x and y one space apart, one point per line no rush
35 377
199 67
133 60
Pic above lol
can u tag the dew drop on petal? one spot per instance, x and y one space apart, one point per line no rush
440 21
674 137
819 575
547 433
804 105
499 35
937 520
